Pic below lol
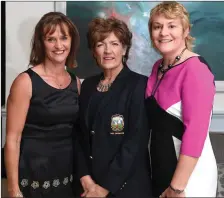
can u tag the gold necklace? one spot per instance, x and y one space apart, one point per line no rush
59 85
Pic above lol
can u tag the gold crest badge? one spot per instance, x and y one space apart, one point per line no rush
117 124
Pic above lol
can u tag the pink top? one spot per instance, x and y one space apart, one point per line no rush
190 84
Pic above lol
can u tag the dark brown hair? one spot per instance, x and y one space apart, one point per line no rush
48 24
100 28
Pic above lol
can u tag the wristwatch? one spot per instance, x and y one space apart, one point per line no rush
177 191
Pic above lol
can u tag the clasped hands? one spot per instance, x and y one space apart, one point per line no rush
91 189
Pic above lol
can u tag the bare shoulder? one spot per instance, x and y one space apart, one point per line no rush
22 85
38 69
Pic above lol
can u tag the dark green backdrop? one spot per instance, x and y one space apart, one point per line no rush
208 28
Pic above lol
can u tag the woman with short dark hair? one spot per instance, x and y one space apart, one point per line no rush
114 132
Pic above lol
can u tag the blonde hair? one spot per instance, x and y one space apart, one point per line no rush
171 10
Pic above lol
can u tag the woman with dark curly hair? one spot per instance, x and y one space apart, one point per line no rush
115 133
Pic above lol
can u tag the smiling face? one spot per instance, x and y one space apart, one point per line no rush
57 45
168 35
109 52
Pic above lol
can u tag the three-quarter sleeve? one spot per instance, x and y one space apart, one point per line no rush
197 95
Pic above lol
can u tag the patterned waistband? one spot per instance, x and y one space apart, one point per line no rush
46 184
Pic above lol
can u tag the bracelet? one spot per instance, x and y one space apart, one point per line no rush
177 191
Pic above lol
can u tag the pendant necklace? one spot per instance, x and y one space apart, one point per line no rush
55 79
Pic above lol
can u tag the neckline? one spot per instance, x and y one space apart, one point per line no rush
159 80
124 71
181 62
49 84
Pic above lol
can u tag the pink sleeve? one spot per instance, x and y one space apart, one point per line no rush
197 97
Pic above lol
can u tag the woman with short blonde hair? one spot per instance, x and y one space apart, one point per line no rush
179 98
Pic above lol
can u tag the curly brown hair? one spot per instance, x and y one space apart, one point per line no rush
47 24
100 28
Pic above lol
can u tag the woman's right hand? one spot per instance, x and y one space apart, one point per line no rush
15 192
88 184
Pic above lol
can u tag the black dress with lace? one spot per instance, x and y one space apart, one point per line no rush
46 151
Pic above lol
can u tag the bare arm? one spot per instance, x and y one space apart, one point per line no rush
17 108
183 171
185 167
78 84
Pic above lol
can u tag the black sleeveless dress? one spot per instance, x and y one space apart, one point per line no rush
46 151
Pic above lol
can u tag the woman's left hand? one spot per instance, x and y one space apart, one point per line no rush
87 184
170 193
98 192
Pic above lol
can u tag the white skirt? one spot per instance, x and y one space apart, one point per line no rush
203 180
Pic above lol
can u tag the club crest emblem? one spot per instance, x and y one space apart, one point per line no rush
117 123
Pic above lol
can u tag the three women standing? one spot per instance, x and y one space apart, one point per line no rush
113 159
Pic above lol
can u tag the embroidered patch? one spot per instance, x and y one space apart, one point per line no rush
117 124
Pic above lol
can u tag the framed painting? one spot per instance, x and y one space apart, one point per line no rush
206 17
